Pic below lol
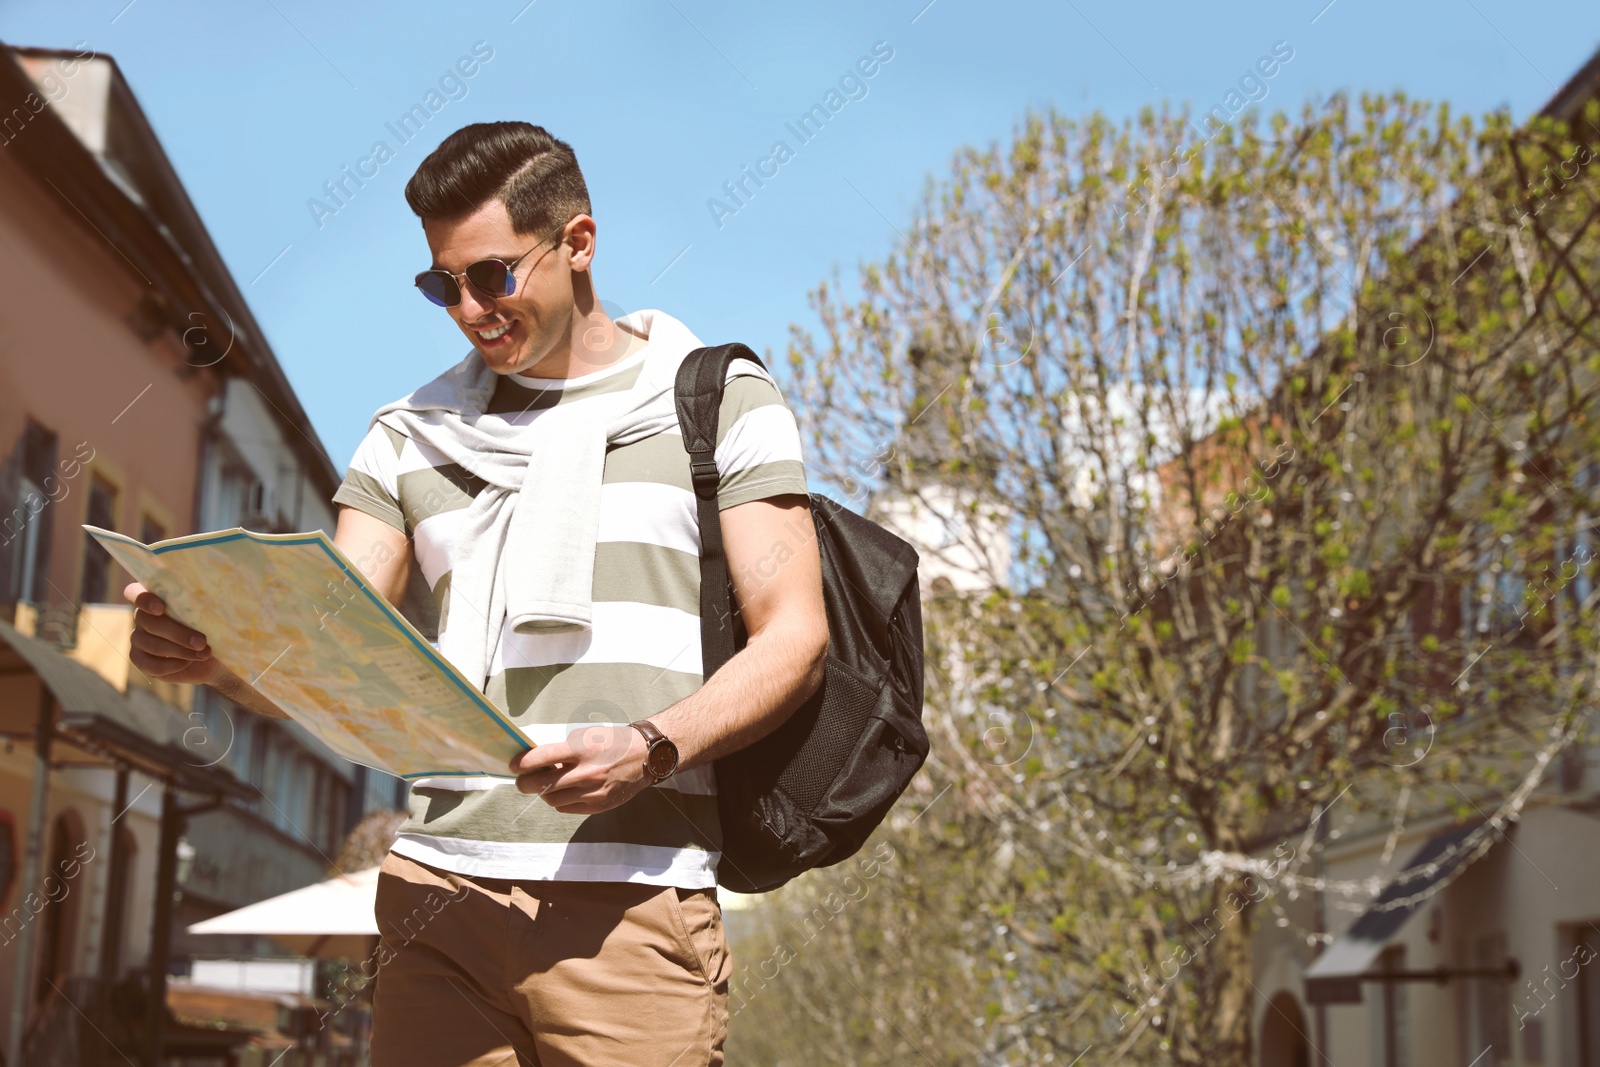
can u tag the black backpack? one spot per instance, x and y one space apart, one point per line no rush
811 792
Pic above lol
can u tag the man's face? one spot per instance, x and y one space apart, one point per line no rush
514 332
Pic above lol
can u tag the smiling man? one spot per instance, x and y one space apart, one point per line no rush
542 487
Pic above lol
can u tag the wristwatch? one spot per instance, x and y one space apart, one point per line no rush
661 758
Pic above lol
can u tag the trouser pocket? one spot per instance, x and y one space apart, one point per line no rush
697 918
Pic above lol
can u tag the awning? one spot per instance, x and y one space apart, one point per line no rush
1337 974
137 728
329 919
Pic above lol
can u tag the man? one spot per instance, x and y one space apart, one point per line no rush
580 923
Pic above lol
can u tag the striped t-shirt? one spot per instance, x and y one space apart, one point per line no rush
641 656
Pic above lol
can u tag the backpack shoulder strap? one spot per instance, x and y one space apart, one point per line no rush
699 398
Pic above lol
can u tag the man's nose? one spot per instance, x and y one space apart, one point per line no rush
474 305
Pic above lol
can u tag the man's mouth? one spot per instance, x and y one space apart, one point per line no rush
493 335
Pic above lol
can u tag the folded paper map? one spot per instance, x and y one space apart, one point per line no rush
289 614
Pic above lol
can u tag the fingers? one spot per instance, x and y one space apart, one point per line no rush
154 666
572 797
161 647
136 594
539 767
169 629
541 756
164 637
577 808
154 644
152 616
554 778
580 794
540 781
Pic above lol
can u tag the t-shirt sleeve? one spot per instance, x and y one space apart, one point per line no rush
758 444
372 482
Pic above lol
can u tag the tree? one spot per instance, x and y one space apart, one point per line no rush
1278 446
367 842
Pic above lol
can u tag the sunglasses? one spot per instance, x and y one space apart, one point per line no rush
492 277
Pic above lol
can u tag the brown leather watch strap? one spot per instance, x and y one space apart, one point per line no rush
648 728
655 741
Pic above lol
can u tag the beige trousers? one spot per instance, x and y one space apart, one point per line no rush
541 973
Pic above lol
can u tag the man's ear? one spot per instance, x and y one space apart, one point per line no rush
580 241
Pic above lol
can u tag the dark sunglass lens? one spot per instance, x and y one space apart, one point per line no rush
492 277
439 288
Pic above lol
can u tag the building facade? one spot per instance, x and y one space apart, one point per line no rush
137 393
1444 937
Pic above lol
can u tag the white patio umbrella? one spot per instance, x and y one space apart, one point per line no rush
327 920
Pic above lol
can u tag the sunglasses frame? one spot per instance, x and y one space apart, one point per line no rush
456 279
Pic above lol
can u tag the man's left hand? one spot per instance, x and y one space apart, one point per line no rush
596 769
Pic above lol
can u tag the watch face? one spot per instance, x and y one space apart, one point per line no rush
663 758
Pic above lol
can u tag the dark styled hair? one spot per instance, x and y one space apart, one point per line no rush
534 174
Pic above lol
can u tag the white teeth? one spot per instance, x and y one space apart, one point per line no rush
490 335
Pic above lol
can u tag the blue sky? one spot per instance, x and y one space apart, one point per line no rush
260 102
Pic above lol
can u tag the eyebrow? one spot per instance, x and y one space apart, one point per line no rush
504 257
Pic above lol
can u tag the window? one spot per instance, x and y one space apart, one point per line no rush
8 856
273 772
96 560
151 531
216 737
317 829
1496 605
328 813
25 530
261 743
58 934
1579 968
22 532
1578 571
120 898
1395 1031
338 809
240 736
297 798
237 497
1488 1003
1519 600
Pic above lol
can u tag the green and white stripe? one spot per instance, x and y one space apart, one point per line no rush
642 655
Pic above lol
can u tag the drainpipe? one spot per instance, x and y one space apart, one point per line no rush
22 975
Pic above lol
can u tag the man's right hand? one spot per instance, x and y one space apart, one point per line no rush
165 649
